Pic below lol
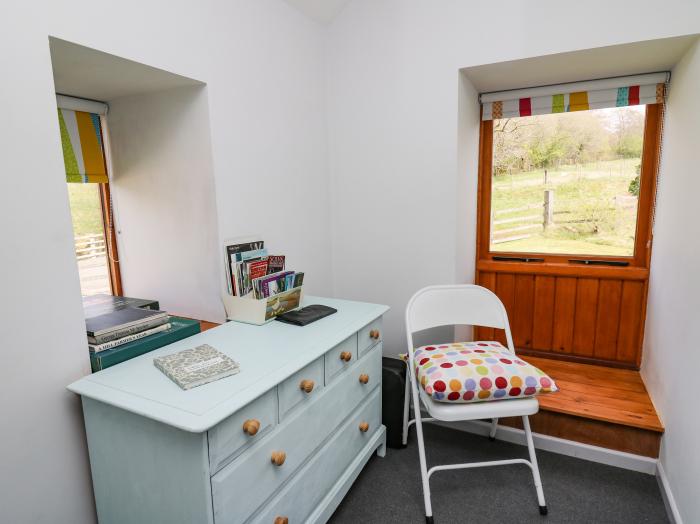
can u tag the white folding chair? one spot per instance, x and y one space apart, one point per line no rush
461 305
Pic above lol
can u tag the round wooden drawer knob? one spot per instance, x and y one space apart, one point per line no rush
364 378
278 457
364 427
251 426
307 386
374 334
346 356
281 520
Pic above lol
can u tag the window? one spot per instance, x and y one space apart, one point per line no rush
90 242
567 183
567 180
89 195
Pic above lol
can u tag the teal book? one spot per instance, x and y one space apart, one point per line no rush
180 328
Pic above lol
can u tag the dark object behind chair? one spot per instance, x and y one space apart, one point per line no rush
393 391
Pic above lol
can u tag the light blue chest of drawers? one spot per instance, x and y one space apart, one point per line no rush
282 441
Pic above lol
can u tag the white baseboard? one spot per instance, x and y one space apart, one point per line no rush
570 448
669 501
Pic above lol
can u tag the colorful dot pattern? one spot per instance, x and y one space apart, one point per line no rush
477 371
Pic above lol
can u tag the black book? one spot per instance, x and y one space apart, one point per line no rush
120 319
95 305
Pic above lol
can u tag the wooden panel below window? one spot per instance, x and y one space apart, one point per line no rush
585 316
588 319
632 313
564 309
523 310
543 311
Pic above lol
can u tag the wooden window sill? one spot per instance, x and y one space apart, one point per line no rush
564 269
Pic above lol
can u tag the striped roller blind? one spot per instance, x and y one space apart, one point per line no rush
576 96
81 138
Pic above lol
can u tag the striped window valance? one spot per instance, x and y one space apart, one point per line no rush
576 96
81 138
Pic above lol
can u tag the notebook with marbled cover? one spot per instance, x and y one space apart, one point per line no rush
197 366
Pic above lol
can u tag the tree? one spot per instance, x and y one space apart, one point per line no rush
627 139
508 141
634 183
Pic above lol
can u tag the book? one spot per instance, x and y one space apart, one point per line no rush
179 328
96 348
250 270
289 280
298 279
95 305
276 263
236 283
233 249
271 284
197 366
123 332
120 319
257 269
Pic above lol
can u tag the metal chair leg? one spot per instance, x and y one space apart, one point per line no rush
421 455
494 428
535 467
406 402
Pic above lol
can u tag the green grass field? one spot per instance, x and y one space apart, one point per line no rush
594 214
85 208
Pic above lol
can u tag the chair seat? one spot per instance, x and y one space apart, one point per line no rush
476 372
450 412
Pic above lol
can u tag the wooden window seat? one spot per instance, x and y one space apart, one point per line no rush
597 405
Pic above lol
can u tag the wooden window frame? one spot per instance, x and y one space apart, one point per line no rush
109 227
638 263
115 274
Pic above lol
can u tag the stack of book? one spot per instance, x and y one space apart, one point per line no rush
116 328
121 328
94 305
252 273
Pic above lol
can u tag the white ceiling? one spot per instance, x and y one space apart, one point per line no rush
87 73
323 11
603 62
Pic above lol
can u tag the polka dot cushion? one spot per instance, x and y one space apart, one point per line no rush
476 372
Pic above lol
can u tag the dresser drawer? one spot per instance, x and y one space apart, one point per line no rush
302 432
309 486
341 357
369 336
229 438
301 387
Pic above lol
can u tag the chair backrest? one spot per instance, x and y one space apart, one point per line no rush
466 304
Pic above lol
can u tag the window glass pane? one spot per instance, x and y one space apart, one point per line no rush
567 183
90 245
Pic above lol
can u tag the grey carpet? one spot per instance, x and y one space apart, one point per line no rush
389 489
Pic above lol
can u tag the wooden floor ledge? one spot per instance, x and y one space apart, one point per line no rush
597 405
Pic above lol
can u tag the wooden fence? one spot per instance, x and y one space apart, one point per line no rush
90 246
526 223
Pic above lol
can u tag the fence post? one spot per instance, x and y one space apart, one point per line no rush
548 208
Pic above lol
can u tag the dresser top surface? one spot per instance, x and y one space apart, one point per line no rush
267 355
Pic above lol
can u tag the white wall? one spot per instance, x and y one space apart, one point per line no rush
672 339
403 190
396 191
404 200
263 64
163 189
